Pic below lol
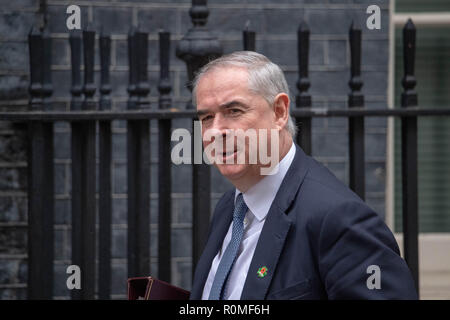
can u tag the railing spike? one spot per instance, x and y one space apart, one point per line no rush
88 55
35 43
303 99
47 88
143 87
133 69
105 61
249 38
356 124
164 86
75 60
409 96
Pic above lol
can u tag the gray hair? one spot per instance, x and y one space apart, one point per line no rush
264 77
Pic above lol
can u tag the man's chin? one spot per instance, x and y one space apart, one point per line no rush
232 171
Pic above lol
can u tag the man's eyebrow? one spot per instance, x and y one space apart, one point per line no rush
233 103
202 112
225 105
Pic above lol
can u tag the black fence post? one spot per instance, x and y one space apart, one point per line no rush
105 208
409 155
165 164
89 176
83 173
138 155
197 48
303 99
40 172
76 149
249 38
356 124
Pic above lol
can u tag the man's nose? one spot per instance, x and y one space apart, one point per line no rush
220 125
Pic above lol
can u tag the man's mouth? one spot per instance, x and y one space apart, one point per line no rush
228 154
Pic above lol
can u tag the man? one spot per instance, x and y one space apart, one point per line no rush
298 233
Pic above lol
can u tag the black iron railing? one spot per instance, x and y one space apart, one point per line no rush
196 48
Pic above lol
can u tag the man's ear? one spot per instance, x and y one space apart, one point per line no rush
281 110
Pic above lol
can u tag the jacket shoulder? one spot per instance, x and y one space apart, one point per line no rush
346 237
322 191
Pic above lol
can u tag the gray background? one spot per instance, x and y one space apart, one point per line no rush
275 22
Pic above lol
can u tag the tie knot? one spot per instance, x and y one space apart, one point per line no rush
240 208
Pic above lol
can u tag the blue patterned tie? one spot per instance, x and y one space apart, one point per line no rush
228 258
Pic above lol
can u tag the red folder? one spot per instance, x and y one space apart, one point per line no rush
148 288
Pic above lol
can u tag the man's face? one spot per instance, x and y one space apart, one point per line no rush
225 104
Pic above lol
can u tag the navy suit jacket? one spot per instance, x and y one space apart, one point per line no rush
318 240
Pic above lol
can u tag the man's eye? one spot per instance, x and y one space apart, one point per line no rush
235 111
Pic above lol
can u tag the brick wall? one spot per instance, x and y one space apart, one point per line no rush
16 19
275 23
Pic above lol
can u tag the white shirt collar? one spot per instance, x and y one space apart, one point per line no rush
259 197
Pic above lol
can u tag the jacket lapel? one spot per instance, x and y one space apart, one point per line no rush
275 231
223 215
267 253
